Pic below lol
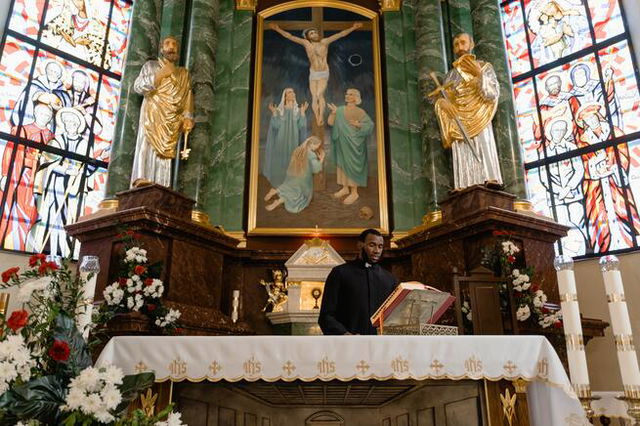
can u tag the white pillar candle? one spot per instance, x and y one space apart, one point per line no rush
235 304
89 269
572 325
620 324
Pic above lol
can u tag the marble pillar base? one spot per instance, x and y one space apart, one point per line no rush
195 259
301 323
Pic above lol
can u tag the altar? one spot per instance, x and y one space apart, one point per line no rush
267 372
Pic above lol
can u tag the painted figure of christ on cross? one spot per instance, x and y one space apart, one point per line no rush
317 49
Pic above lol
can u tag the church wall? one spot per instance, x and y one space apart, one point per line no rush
601 353
226 177
405 146
632 9
4 12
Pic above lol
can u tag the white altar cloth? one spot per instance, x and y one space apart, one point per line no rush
270 358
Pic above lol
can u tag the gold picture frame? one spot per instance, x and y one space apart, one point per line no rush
254 228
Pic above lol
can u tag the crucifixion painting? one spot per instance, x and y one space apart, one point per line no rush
317 136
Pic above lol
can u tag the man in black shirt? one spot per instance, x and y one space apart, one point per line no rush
355 290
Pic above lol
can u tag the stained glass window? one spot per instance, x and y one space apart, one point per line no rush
577 102
61 63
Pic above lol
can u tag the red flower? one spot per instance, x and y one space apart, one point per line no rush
9 273
499 233
130 232
137 236
59 351
151 307
148 282
139 269
545 310
47 267
511 259
17 320
517 294
557 324
36 259
535 288
122 281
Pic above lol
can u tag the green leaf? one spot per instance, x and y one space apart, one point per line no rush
66 330
37 399
132 386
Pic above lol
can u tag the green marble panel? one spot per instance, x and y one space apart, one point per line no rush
144 35
173 17
431 58
226 177
408 181
460 20
490 47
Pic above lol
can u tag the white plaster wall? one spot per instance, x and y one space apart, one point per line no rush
8 260
632 9
601 353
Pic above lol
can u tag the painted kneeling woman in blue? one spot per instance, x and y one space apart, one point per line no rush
297 189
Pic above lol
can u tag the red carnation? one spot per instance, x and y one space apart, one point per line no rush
9 273
122 281
557 324
59 351
151 307
535 288
130 232
36 259
148 282
545 310
137 236
47 267
17 320
511 259
139 269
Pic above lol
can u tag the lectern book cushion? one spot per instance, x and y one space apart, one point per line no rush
413 303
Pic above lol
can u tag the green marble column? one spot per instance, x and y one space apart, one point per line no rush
226 167
144 35
173 17
459 17
407 174
431 57
200 47
490 47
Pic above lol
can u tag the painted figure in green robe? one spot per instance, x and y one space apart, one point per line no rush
287 129
297 190
351 129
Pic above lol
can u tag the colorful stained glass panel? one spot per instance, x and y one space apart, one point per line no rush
107 109
556 29
118 34
606 18
15 66
621 87
527 119
26 16
516 38
537 192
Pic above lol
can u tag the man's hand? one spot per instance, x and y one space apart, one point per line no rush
165 71
187 124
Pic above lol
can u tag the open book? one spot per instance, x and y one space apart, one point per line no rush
411 304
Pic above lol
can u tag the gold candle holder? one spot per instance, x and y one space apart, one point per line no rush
4 304
632 399
586 398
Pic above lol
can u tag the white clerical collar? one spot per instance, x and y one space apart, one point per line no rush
367 265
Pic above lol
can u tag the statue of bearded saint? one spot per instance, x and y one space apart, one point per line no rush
472 92
167 111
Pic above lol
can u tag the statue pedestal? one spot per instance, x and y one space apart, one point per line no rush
195 257
301 323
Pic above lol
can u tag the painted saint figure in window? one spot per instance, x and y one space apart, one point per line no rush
613 226
287 130
20 210
77 31
587 89
555 27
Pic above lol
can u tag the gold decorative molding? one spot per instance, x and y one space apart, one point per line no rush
390 5
568 297
524 206
108 204
615 297
508 405
429 220
520 385
575 342
148 402
246 5
624 342
200 217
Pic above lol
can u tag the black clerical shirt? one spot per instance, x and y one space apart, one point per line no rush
352 293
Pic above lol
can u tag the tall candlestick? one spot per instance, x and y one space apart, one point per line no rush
572 325
235 303
89 269
621 326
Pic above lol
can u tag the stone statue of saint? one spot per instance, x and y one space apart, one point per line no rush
167 111
471 92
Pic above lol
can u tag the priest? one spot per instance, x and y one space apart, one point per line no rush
355 290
